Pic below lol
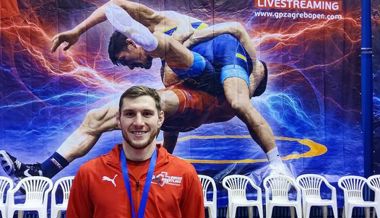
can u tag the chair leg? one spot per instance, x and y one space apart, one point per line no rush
307 212
367 211
20 214
213 212
291 212
208 210
42 213
304 210
260 210
377 210
374 213
344 212
335 210
54 213
349 211
269 209
233 212
2 212
299 211
10 213
250 212
324 211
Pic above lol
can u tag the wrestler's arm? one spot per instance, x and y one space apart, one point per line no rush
173 52
145 15
170 140
184 25
234 28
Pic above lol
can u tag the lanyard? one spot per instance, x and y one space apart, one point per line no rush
147 184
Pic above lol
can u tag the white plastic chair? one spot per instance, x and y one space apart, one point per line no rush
64 184
206 181
6 184
36 190
277 190
236 186
352 187
310 185
374 184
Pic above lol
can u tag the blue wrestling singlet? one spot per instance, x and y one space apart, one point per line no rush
228 58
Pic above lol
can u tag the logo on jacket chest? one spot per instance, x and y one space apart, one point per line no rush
108 179
164 179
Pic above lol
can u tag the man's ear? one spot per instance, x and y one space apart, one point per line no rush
131 42
161 118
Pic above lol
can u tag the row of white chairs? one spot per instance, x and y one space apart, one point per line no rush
36 191
277 193
278 190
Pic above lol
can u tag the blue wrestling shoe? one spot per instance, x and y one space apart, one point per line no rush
16 169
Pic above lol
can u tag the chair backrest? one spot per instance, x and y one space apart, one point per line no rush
374 182
64 184
207 184
278 186
236 185
4 183
311 184
352 186
36 189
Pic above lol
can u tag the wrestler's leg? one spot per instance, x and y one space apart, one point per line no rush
81 141
237 94
169 104
255 78
170 141
76 145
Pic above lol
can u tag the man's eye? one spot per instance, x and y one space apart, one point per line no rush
147 114
129 114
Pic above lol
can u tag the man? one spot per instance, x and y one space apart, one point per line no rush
138 176
100 120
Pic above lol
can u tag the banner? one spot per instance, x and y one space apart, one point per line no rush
376 85
311 102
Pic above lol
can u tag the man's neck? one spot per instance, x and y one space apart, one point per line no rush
138 154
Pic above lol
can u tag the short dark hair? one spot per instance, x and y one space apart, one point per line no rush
117 44
138 91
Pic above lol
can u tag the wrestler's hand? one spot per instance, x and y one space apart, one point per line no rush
194 39
69 37
189 42
182 35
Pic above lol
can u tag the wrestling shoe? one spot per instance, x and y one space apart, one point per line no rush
17 170
279 168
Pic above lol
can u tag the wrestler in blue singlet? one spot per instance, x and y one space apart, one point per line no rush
223 57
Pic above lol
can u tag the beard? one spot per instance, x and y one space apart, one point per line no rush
139 146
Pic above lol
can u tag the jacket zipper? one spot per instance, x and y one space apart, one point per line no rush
137 185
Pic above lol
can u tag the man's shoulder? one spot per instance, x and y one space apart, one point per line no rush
181 164
93 165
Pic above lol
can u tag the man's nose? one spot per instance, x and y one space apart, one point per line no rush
139 121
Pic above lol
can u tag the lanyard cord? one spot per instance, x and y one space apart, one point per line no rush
148 181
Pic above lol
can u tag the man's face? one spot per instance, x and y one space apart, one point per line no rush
134 56
140 121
